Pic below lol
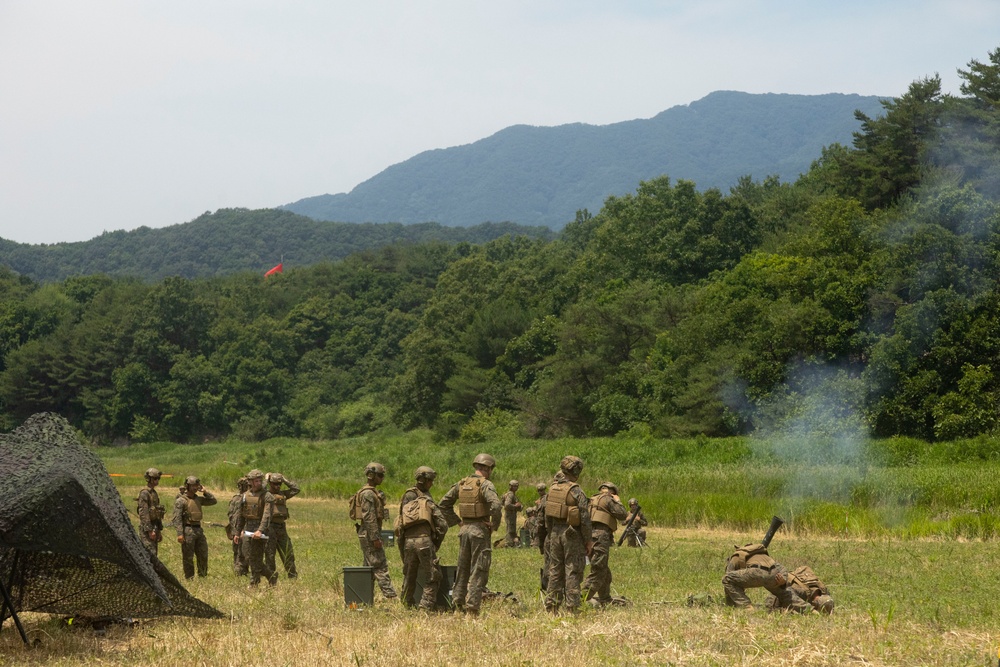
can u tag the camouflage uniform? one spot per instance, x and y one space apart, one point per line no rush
279 543
187 520
240 565
511 506
805 584
479 516
636 535
567 537
256 510
418 545
371 512
531 526
151 513
752 567
605 513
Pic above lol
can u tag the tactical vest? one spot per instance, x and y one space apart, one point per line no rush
751 555
253 506
599 512
562 505
192 513
280 512
152 500
416 511
806 583
471 504
355 504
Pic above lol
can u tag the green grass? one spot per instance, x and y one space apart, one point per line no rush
895 487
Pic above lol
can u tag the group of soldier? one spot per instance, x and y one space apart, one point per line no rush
565 524
256 526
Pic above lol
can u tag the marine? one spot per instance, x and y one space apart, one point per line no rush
511 506
150 512
279 543
253 525
751 566
606 510
240 565
187 520
420 532
368 510
479 511
569 538
805 584
636 535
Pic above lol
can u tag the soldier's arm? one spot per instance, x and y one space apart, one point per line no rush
265 521
240 520
142 509
493 503
208 498
439 526
293 489
369 515
447 506
617 510
584 503
178 519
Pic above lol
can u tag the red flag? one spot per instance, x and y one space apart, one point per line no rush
278 269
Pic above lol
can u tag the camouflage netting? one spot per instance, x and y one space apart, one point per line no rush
66 543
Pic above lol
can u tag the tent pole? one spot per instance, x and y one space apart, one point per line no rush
9 604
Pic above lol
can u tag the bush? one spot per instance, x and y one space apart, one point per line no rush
491 425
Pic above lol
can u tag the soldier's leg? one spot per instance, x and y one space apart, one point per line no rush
239 563
598 582
411 560
479 577
736 582
432 575
555 553
270 549
201 551
187 553
463 569
511 538
287 553
376 558
576 563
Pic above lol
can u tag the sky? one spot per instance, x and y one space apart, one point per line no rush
116 114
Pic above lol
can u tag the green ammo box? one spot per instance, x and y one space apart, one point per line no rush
359 586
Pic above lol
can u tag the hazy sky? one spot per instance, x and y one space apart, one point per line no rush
121 113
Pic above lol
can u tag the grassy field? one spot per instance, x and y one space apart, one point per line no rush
902 597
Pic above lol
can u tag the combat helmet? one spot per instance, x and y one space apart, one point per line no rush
152 473
274 478
425 473
633 501
484 460
374 468
571 464
540 487
242 484
514 484
255 474
191 480
609 486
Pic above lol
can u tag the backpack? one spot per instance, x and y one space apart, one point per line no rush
743 554
414 512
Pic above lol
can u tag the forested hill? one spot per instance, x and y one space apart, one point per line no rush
228 241
543 175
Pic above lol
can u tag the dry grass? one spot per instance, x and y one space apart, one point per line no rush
920 603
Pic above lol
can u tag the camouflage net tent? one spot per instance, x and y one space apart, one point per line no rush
66 543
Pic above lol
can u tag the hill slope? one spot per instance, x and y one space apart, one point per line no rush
543 175
228 241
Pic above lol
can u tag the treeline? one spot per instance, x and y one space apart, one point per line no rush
232 240
861 297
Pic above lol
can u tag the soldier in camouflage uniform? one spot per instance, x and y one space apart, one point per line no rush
150 512
479 512
253 525
511 506
240 565
806 585
279 542
421 530
568 537
187 520
751 567
539 515
606 510
370 511
636 536
531 526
